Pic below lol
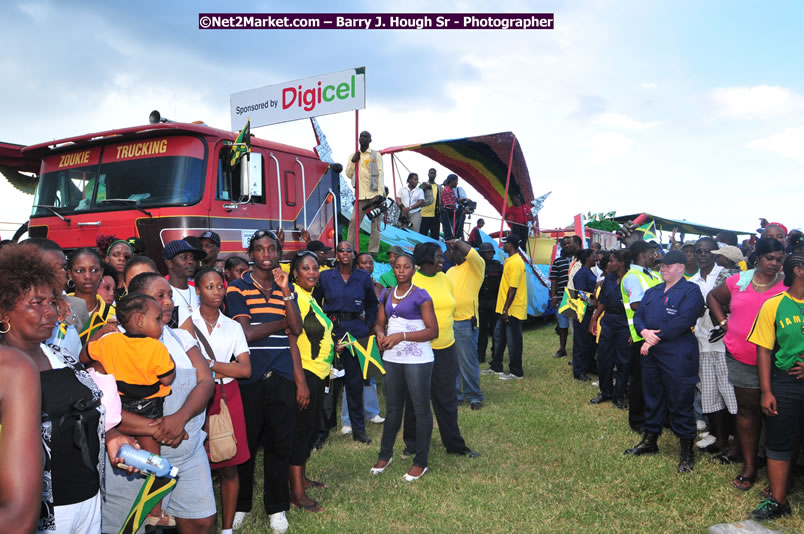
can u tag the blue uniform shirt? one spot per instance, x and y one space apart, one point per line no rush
355 296
674 313
610 295
585 280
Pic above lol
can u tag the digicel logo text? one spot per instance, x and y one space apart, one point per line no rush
310 98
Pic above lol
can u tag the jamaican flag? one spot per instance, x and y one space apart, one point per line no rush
152 491
367 353
648 230
574 302
242 144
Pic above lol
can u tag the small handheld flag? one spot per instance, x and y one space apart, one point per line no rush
367 353
153 490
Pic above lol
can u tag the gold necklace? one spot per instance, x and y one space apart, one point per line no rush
210 325
772 282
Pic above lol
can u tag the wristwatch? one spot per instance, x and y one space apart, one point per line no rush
211 364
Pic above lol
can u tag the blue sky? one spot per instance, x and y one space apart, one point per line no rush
699 103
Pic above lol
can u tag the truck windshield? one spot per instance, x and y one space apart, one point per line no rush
165 180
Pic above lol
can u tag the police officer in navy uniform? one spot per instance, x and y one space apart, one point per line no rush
669 358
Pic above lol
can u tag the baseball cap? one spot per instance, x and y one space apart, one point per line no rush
730 252
512 239
317 246
178 246
485 247
674 256
638 247
399 251
212 236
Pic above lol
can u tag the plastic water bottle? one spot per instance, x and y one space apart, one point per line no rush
147 462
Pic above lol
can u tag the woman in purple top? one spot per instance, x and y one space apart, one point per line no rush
405 324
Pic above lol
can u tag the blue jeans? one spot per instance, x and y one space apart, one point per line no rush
510 334
469 367
414 379
371 404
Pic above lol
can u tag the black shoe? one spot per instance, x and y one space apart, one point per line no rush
362 437
646 446
319 442
622 404
583 378
466 451
476 405
686 461
407 453
599 399
560 353
770 509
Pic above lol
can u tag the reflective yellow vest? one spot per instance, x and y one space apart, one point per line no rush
647 281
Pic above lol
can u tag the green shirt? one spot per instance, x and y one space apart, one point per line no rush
779 327
388 279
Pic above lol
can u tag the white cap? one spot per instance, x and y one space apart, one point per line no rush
174 472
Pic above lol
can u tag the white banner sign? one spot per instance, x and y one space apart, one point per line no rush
300 99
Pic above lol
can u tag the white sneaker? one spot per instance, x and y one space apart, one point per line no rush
704 443
279 523
377 419
346 430
490 372
238 520
509 376
700 425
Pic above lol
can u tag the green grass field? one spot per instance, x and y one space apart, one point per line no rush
551 462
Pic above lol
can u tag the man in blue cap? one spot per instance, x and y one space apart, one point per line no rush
665 319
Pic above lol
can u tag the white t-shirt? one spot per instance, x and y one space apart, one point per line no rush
409 198
186 301
226 340
704 326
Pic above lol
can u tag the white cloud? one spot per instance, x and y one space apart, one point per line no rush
787 143
604 146
759 101
619 121
648 85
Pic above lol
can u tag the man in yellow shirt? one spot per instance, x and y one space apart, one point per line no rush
512 305
466 277
371 186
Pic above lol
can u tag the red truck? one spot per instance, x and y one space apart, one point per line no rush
166 180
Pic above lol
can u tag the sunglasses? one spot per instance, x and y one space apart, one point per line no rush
345 250
259 234
302 253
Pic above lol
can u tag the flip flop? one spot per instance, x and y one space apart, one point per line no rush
312 507
743 483
725 459
316 484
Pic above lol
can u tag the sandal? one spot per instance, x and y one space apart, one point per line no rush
725 459
312 507
743 483
314 484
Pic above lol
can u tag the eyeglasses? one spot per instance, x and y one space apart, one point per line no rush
345 250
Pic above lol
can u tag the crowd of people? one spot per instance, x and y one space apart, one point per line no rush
147 359
704 336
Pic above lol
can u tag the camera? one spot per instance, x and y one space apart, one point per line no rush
468 207
378 206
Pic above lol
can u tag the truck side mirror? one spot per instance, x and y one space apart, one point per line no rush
251 175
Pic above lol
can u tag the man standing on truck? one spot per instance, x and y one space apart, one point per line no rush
370 188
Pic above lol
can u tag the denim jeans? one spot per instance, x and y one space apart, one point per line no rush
371 404
510 334
414 379
469 367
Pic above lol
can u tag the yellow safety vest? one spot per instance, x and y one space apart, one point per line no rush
647 281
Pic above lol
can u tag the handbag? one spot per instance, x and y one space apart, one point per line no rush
222 441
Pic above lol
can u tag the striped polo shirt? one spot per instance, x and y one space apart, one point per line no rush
272 353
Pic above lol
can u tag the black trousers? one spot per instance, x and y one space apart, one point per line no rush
431 226
307 419
445 403
636 400
353 385
269 410
487 320
328 417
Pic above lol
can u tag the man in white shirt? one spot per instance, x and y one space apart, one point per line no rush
411 200
181 260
